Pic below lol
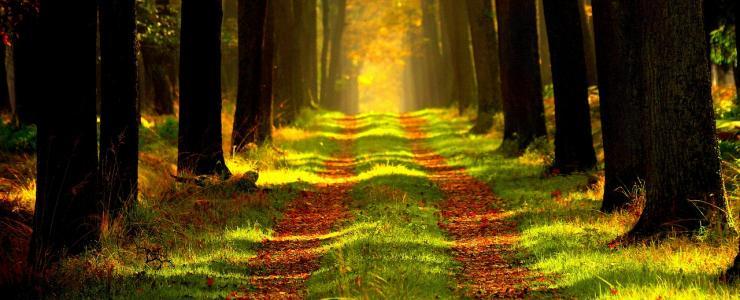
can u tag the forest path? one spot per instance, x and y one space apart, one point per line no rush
284 262
482 238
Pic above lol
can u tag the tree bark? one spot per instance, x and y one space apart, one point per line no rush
263 114
622 103
485 53
574 150
683 183
308 38
326 33
287 70
66 215
199 139
463 76
431 52
544 45
252 20
4 92
588 42
524 117
330 93
119 118
24 65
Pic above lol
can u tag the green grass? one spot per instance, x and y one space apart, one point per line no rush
567 237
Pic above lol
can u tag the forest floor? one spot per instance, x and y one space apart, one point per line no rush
377 206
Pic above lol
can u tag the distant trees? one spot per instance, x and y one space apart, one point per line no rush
66 218
524 116
574 149
329 92
199 141
454 17
485 53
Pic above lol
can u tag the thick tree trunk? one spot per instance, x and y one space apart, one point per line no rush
330 93
622 102
463 76
263 115
199 139
431 52
574 150
524 117
119 118
252 20
326 33
684 185
485 52
66 215
287 76
24 65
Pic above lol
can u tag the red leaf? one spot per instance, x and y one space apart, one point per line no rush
209 282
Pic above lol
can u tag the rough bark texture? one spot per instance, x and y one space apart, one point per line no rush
683 183
574 150
524 116
199 137
330 94
485 54
431 52
251 28
622 103
119 120
66 214
463 76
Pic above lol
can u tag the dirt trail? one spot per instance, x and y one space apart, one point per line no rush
483 239
284 263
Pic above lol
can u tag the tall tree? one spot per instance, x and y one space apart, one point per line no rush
329 92
24 68
199 138
307 35
65 218
463 76
622 102
544 45
574 150
252 20
485 53
683 183
524 116
287 62
431 51
589 48
119 118
326 33
4 92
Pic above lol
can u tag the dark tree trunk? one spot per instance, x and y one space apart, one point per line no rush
736 70
4 92
263 115
66 215
485 52
199 138
287 75
119 119
524 117
24 66
157 64
431 52
683 183
252 19
622 102
326 33
574 150
308 38
463 77
330 93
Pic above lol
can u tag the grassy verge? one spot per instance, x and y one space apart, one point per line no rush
564 236
394 248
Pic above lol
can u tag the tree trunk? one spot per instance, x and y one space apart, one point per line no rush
736 71
157 63
199 139
524 117
431 52
263 114
4 92
66 215
308 37
485 52
588 42
330 93
574 150
24 66
463 77
252 19
287 68
119 118
326 33
622 102
544 45
683 183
